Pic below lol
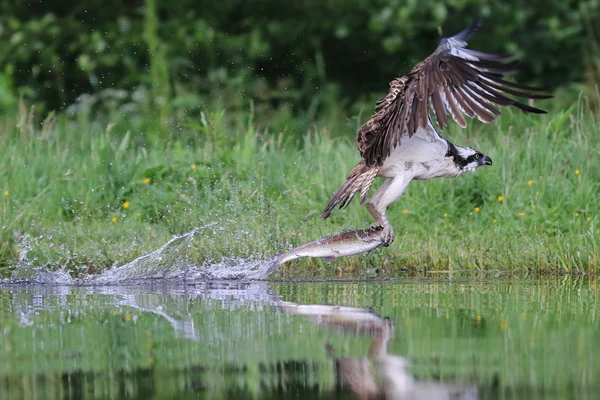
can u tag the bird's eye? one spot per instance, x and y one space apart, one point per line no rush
477 156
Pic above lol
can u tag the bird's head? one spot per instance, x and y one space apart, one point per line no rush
468 159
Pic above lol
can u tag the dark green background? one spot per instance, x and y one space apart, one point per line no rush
271 51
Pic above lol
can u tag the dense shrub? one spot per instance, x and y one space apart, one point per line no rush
269 50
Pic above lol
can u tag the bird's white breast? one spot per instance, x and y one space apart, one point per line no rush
423 156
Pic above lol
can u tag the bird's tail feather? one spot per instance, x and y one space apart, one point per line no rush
359 180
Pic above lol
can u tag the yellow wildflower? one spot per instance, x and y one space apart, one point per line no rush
495 221
521 214
6 192
193 167
477 209
405 211
146 181
445 215
125 204
127 317
500 199
530 182
589 218
577 214
577 172
114 219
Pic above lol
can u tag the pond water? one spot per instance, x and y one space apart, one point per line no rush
422 339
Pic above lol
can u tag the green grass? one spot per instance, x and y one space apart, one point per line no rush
257 190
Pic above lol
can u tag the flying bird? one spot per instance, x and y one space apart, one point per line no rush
401 143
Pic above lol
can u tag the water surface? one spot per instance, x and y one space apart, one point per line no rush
402 339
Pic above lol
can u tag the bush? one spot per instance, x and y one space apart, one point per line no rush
271 51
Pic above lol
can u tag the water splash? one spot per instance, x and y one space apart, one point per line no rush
169 262
235 269
27 272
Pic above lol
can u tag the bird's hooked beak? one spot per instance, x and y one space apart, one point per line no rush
486 161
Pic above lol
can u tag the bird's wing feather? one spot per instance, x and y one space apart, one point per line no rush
454 81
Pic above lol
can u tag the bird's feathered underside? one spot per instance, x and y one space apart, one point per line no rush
453 81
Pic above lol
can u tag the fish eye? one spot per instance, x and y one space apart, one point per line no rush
477 156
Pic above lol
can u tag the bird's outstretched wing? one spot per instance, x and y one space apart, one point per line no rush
453 81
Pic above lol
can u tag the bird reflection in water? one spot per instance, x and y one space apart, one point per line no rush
378 375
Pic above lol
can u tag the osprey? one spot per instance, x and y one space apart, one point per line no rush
400 142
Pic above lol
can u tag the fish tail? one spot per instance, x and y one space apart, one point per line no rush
360 180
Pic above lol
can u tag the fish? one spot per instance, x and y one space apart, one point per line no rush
329 248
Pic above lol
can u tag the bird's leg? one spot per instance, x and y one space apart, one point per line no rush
381 221
386 194
381 224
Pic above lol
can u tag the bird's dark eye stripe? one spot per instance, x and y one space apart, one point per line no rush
473 157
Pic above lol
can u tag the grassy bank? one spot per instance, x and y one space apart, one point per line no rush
90 193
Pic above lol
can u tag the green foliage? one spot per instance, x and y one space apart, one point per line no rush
159 73
279 54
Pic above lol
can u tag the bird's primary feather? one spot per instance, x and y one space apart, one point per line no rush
453 81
